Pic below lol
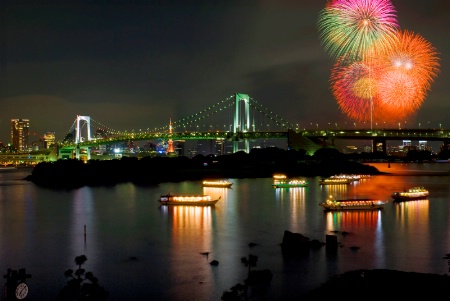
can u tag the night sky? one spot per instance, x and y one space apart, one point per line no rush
132 65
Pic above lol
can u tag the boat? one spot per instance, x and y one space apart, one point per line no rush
413 193
352 177
335 181
192 200
7 168
290 183
279 177
219 183
352 204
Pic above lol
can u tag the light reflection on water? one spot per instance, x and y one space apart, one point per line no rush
140 250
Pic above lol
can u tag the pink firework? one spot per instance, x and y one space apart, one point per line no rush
355 87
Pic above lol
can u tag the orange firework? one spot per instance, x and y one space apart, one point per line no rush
407 72
394 82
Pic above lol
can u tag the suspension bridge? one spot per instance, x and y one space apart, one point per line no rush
250 121
239 119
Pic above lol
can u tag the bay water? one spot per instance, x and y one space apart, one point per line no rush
140 250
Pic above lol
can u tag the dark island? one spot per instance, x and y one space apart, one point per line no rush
259 163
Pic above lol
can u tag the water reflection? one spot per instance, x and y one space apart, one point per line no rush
190 225
191 229
216 192
295 195
352 220
337 191
360 229
413 220
411 214
293 199
82 215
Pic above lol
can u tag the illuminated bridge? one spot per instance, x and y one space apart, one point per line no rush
239 119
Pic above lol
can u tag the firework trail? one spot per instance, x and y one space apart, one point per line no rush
349 28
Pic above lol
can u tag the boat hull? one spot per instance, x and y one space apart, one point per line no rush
342 208
7 168
200 200
353 204
207 203
335 181
408 198
415 193
332 182
289 185
217 184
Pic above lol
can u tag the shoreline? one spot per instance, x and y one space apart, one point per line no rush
382 283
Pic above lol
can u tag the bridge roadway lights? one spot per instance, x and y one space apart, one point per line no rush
377 136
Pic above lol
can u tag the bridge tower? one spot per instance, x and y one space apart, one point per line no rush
241 120
78 136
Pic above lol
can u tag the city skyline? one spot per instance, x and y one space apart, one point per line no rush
133 66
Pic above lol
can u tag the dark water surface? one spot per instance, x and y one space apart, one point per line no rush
141 251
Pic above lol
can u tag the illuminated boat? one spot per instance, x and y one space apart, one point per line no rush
290 183
353 177
335 181
219 183
352 204
192 200
7 168
279 177
414 193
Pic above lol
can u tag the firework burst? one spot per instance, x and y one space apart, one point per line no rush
349 28
355 87
409 68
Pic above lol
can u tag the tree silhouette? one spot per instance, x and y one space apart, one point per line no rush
81 285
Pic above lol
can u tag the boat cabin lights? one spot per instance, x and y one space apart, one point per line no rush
192 198
215 182
279 176
297 182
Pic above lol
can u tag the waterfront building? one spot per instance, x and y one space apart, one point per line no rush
48 139
20 134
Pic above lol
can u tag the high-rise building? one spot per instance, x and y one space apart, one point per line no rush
49 139
20 133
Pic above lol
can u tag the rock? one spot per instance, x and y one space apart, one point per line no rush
259 278
294 241
298 243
